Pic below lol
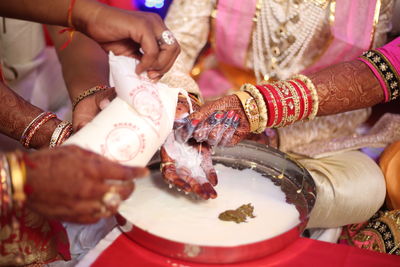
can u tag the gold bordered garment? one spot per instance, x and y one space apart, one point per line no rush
386 70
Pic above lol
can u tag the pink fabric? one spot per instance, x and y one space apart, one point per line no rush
213 83
233 30
379 77
352 31
392 52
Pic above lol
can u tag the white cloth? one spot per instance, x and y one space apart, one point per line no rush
136 123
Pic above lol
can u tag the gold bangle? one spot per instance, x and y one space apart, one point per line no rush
296 103
314 94
87 93
284 106
250 109
262 107
6 204
18 177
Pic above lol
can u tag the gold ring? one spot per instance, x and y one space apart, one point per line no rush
111 198
164 164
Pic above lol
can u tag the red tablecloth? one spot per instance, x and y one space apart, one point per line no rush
303 252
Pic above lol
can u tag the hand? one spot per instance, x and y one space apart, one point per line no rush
88 108
69 183
125 32
221 122
198 178
189 167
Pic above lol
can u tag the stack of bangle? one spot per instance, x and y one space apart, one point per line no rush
34 126
283 102
250 109
61 133
289 101
18 177
308 86
5 190
13 179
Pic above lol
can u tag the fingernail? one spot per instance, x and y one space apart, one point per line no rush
153 75
230 114
195 122
219 115
104 103
210 191
213 179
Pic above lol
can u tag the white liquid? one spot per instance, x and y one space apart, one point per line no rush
172 215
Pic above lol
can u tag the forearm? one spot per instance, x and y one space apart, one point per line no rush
346 86
84 63
54 12
16 114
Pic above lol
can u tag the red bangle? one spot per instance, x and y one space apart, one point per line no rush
67 131
34 126
301 100
278 98
309 97
271 104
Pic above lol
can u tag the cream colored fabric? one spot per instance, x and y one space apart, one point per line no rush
298 135
383 133
30 68
190 23
350 189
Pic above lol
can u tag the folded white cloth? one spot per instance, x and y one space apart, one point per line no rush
135 124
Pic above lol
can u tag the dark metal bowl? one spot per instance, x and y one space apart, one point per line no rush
294 180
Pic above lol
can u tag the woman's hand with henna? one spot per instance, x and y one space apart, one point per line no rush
71 184
220 122
188 166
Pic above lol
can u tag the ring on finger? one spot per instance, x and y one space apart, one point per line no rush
164 164
166 38
111 199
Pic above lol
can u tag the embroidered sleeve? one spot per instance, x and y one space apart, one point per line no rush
189 20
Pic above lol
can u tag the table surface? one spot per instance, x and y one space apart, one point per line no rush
118 250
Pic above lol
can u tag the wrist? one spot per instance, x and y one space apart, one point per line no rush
83 13
42 137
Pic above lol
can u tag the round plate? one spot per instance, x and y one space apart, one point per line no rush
293 179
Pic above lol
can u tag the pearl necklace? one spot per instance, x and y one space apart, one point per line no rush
290 31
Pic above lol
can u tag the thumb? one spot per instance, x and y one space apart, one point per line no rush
114 171
104 98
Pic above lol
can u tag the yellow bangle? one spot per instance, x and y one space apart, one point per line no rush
18 177
262 107
314 94
250 109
